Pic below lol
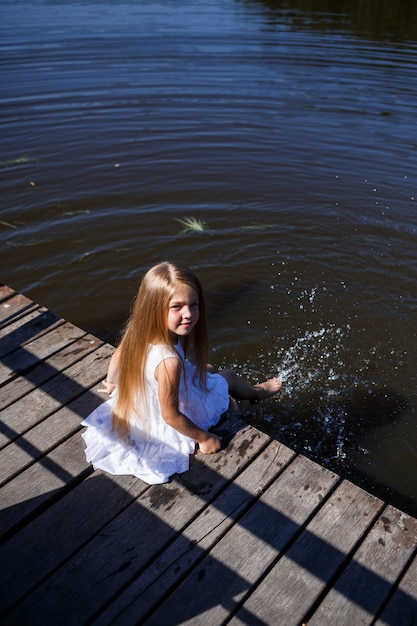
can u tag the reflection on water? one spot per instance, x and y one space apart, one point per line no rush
379 19
283 135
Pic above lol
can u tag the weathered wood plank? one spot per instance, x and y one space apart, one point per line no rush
291 588
201 535
14 307
25 358
26 328
60 389
6 292
48 369
58 533
364 585
41 484
216 586
402 609
107 564
36 442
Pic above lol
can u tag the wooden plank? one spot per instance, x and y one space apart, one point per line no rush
222 579
36 442
41 484
26 328
46 370
59 390
402 609
365 584
14 307
6 292
292 587
58 533
201 535
23 359
106 565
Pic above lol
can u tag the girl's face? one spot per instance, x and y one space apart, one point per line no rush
183 313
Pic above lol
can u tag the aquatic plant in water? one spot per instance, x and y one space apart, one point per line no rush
193 225
23 160
8 224
258 226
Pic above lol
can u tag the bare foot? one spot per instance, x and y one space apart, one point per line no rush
267 389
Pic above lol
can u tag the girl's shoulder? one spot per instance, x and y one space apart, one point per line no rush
159 352
160 348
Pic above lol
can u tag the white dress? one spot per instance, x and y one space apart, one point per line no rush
154 450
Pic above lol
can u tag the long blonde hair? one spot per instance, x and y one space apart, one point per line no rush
148 323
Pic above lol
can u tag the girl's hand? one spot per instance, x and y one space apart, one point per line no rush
107 387
211 444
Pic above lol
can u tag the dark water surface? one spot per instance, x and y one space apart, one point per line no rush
288 130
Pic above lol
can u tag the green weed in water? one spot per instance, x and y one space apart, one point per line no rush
8 224
23 160
258 226
29 244
193 225
79 212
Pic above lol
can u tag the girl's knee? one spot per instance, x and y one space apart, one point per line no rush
228 374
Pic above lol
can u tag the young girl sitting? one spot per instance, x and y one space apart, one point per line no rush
161 405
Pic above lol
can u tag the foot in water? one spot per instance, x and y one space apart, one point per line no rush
267 389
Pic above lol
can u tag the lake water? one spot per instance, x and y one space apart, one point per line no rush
289 135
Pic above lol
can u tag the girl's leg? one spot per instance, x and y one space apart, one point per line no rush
240 389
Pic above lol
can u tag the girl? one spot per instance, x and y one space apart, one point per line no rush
161 405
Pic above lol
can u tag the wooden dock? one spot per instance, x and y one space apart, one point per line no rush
254 535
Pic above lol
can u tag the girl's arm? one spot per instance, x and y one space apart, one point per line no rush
112 373
168 375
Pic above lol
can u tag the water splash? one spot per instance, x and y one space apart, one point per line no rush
328 401
314 359
316 412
